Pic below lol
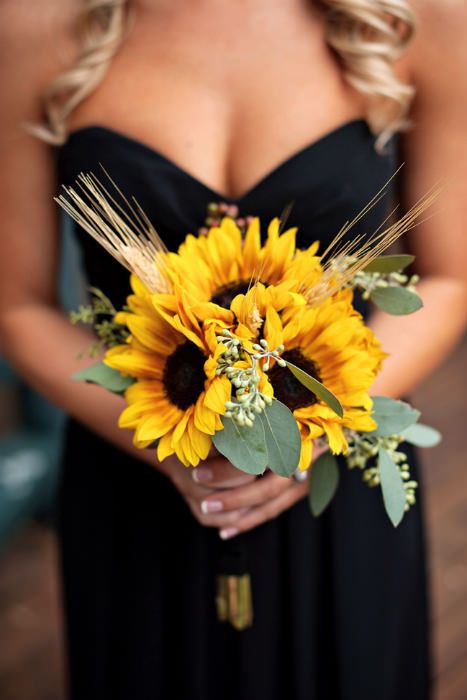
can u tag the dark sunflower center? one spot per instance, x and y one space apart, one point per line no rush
286 387
226 294
184 375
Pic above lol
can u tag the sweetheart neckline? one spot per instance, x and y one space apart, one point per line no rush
317 144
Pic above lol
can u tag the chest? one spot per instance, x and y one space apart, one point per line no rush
226 90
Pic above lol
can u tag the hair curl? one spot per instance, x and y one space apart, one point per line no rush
367 36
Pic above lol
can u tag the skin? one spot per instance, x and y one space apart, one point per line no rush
236 102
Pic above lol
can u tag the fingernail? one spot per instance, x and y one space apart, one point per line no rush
211 507
228 533
300 475
202 474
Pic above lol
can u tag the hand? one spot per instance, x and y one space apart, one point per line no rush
197 484
255 502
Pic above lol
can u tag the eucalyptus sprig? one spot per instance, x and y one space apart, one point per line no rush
384 283
378 456
257 430
249 400
369 281
364 449
100 315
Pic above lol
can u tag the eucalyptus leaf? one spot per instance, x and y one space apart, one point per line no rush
392 416
283 439
244 447
104 376
397 301
316 388
323 482
389 263
392 486
421 435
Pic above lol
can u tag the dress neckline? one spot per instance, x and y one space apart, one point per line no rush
340 133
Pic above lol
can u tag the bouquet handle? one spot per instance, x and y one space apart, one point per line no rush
234 602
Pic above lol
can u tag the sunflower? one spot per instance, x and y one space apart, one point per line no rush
250 310
177 398
218 266
332 344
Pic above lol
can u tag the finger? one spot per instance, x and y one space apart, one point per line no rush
268 511
318 450
182 477
219 473
246 496
217 520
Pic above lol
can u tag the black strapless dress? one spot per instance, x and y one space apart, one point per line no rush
340 601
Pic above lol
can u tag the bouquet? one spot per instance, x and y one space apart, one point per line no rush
255 349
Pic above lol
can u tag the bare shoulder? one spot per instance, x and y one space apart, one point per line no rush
438 56
21 19
432 12
37 42
435 149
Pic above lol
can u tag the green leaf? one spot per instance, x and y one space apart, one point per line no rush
323 482
392 416
244 447
317 388
397 301
392 486
104 376
283 439
421 435
389 263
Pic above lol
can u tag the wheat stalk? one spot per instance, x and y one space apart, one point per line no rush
337 272
123 230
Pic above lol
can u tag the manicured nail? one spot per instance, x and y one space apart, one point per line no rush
228 533
202 474
300 475
208 507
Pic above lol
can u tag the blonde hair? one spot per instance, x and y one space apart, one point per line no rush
367 36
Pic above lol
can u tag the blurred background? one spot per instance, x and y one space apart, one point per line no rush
31 637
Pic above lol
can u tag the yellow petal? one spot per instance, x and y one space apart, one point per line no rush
204 419
145 389
180 428
155 425
141 444
138 287
251 248
200 441
273 329
135 364
181 454
306 455
336 438
217 394
131 415
273 229
230 228
176 323
164 448
152 335
208 310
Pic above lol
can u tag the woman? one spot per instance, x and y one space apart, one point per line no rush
256 103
